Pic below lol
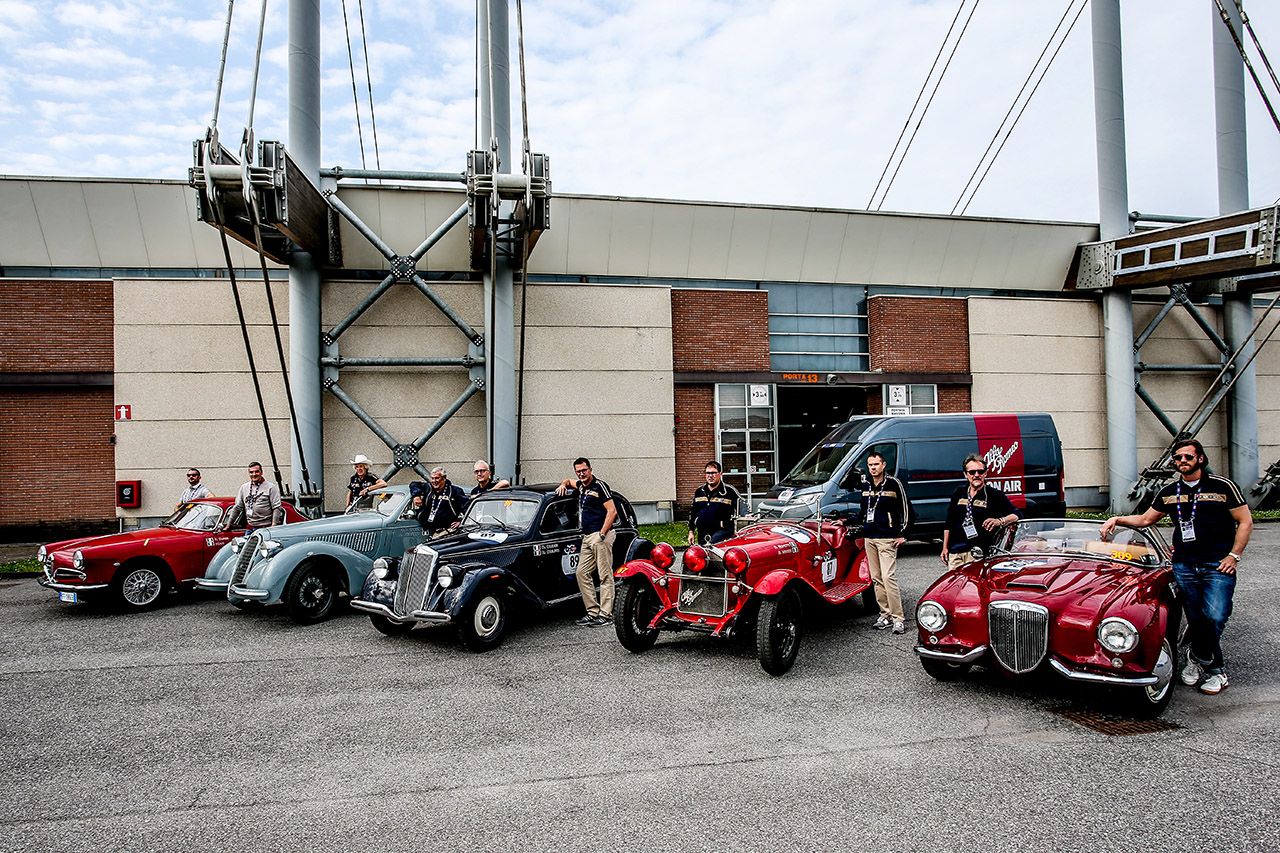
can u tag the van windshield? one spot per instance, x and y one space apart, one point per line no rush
819 464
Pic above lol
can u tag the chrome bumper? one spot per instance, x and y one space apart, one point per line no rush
241 591
216 586
952 657
435 617
1098 678
71 587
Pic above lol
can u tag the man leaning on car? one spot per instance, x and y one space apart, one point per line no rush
597 511
1211 527
258 501
975 512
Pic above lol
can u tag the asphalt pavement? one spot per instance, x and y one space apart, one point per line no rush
200 727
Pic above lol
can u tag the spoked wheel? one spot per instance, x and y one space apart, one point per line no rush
778 631
483 622
633 615
390 628
311 595
140 587
1149 702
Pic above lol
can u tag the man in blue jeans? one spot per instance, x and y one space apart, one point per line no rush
1211 527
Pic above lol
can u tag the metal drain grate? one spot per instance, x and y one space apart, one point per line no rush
1110 724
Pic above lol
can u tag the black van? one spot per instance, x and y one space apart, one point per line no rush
926 452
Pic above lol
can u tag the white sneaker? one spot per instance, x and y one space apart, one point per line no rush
1192 673
882 622
899 626
1214 684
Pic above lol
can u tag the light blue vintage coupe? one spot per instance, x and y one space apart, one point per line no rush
310 565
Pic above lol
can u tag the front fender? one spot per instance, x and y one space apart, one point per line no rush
476 577
635 568
222 565
772 583
272 574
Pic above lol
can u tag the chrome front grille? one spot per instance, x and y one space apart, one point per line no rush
245 558
417 571
1019 634
704 594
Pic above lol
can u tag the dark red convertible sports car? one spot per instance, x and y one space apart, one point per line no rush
767 575
137 568
1055 594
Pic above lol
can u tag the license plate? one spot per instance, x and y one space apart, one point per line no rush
69 597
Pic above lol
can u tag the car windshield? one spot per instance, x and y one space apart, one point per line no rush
192 516
507 513
383 503
819 464
1080 536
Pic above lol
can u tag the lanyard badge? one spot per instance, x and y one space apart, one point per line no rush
970 526
1187 525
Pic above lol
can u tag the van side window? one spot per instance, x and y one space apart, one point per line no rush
888 450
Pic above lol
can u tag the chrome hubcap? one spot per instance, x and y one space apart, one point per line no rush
1163 672
141 587
315 593
488 615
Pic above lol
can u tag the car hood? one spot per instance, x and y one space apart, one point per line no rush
459 545
298 530
132 537
1058 582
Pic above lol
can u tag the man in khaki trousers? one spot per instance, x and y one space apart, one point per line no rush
596 513
886 512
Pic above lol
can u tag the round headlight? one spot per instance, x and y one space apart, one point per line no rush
237 545
1117 635
662 556
445 576
931 616
695 558
381 567
269 547
736 560
77 559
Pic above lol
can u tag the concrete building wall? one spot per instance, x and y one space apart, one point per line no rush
601 388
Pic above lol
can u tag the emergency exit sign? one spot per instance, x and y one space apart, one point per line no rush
124 412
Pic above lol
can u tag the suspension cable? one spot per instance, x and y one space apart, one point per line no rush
1257 44
1043 72
1016 98
919 122
368 79
257 64
355 98
1244 57
253 367
524 100
923 85
222 65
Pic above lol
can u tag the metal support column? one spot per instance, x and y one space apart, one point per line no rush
494 80
1233 196
304 278
1113 218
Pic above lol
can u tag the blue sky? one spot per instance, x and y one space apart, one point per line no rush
764 101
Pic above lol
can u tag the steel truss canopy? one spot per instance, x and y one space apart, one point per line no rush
1224 247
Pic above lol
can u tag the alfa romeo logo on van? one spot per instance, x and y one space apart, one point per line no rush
997 457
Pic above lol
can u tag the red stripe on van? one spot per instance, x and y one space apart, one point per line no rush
1000 444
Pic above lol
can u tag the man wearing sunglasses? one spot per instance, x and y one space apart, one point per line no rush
976 511
1211 528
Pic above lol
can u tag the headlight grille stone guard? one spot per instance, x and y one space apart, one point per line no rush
1019 632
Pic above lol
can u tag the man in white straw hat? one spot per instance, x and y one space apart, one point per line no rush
361 481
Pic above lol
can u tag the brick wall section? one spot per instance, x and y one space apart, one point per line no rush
953 398
738 320
911 334
56 459
695 440
62 326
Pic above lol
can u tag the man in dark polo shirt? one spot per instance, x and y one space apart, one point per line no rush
886 511
597 512
976 511
1211 528
714 505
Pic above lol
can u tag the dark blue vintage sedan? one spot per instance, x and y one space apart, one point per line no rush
516 547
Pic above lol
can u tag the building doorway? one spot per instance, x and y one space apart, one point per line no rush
808 412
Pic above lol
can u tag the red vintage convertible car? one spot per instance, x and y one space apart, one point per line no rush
769 572
137 568
1056 594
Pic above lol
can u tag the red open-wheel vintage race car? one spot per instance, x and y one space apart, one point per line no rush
770 572
1055 594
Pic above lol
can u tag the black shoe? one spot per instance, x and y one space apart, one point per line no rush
587 619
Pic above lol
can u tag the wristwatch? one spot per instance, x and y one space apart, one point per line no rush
1236 557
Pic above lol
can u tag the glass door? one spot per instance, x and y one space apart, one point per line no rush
746 437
